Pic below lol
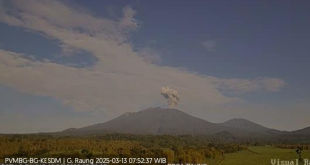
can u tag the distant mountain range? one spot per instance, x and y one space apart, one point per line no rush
159 121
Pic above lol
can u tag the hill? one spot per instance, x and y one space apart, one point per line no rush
304 131
245 125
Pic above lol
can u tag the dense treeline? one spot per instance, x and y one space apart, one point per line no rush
178 149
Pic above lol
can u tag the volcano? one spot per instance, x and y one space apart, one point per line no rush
156 121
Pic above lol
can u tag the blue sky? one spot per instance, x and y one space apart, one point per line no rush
84 62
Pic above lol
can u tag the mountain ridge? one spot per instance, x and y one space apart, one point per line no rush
304 131
244 124
159 121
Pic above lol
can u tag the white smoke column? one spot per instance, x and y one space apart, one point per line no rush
171 95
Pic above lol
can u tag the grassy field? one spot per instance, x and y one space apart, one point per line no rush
263 156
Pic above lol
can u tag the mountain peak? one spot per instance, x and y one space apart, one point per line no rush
238 120
157 121
158 108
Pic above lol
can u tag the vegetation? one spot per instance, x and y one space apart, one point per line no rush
177 149
264 156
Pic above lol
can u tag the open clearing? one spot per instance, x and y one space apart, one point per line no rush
264 157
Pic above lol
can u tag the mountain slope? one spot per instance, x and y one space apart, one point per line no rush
248 127
156 121
304 131
245 125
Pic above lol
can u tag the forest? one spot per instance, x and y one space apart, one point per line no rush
177 149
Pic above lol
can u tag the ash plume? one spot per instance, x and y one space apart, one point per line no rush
171 95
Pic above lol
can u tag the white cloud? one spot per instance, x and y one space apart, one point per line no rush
209 45
149 55
121 80
128 21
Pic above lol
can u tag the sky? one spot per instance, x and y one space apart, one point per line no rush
67 64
